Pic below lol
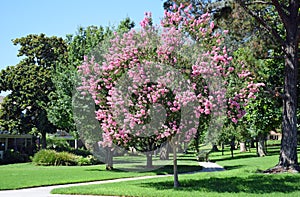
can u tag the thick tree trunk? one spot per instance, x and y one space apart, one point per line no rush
261 148
243 147
288 152
149 159
176 181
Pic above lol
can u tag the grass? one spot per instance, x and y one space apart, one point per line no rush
16 176
242 178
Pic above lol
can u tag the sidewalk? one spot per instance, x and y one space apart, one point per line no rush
45 191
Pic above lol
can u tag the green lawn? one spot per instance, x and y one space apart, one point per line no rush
243 177
18 176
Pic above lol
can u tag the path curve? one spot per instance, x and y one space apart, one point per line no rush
45 191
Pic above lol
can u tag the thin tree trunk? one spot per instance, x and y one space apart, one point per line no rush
109 158
176 181
222 148
44 139
232 147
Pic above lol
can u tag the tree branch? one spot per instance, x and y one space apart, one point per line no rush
263 23
275 92
282 14
258 2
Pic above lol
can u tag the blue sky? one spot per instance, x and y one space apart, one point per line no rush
19 18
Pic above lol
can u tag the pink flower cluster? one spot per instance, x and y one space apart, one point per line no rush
237 104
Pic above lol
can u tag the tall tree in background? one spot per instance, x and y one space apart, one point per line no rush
30 84
83 42
289 14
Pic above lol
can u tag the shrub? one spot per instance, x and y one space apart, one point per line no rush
45 157
11 156
89 160
51 157
66 159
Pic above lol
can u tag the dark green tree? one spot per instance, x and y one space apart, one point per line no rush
86 41
30 84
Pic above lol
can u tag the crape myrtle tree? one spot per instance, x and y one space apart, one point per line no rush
154 85
30 84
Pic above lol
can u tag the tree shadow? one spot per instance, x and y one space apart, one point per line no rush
254 184
162 170
235 157
233 167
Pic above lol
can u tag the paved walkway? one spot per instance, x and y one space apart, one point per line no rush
45 191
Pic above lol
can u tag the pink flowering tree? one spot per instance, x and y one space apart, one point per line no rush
153 86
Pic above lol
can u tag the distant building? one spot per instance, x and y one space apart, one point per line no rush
273 135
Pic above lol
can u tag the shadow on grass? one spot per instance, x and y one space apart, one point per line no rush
233 167
101 170
162 170
235 157
254 184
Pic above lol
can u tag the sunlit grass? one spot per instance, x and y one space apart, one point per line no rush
242 177
16 176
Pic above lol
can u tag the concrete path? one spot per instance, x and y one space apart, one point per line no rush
45 191
210 167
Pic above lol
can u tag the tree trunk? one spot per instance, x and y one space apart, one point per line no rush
243 147
149 159
222 145
261 149
232 147
44 139
109 158
252 143
288 152
176 181
164 152
215 148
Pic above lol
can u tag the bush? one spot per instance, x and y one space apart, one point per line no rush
11 156
89 160
53 158
66 159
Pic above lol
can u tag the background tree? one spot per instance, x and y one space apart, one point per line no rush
30 84
60 112
288 15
